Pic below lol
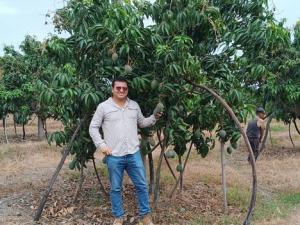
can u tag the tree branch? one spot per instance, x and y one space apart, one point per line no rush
252 161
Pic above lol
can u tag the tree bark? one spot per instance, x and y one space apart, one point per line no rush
224 188
157 181
151 173
290 135
67 149
15 125
180 175
166 159
80 183
23 129
297 129
99 180
4 127
41 133
155 147
169 166
264 141
45 128
271 139
252 160
184 165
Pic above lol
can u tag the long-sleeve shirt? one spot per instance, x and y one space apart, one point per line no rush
119 125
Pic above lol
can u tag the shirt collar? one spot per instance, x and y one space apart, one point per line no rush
116 105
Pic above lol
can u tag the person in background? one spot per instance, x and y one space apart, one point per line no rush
255 131
119 117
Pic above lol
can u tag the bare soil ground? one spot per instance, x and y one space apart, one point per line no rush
26 167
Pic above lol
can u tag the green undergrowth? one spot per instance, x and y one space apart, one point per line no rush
268 206
278 128
278 206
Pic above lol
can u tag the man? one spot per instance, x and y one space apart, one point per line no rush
119 118
255 131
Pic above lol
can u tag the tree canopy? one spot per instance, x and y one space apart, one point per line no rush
235 47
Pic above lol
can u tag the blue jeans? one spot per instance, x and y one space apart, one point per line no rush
134 167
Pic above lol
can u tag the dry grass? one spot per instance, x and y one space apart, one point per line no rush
19 157
281 175
26 164
294 219
30 129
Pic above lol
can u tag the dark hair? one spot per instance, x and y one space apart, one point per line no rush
119 79
260 110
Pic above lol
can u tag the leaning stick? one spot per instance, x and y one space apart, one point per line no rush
184 165
66 151
98 178
252 161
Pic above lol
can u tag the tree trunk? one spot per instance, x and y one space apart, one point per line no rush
23 129
169 166
15 125
45 128
184 165
157 182
223 176
252 160
4 127
271 139
264 141
80 183
99 180
67 149
41 133
180 175
151 173
297 129
155 147
290 135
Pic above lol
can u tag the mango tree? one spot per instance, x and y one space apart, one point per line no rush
22 72
16 88
191 48
270 70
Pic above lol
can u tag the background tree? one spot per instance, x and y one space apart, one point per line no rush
16 88
22 72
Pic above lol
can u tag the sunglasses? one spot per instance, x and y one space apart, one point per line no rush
122 88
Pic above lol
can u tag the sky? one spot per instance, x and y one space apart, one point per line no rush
21 17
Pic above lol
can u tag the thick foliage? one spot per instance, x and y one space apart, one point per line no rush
235 47
22 71
110 39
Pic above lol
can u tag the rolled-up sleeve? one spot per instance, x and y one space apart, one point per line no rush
95 125
145 122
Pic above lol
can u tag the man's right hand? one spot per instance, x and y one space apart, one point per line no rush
106 151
